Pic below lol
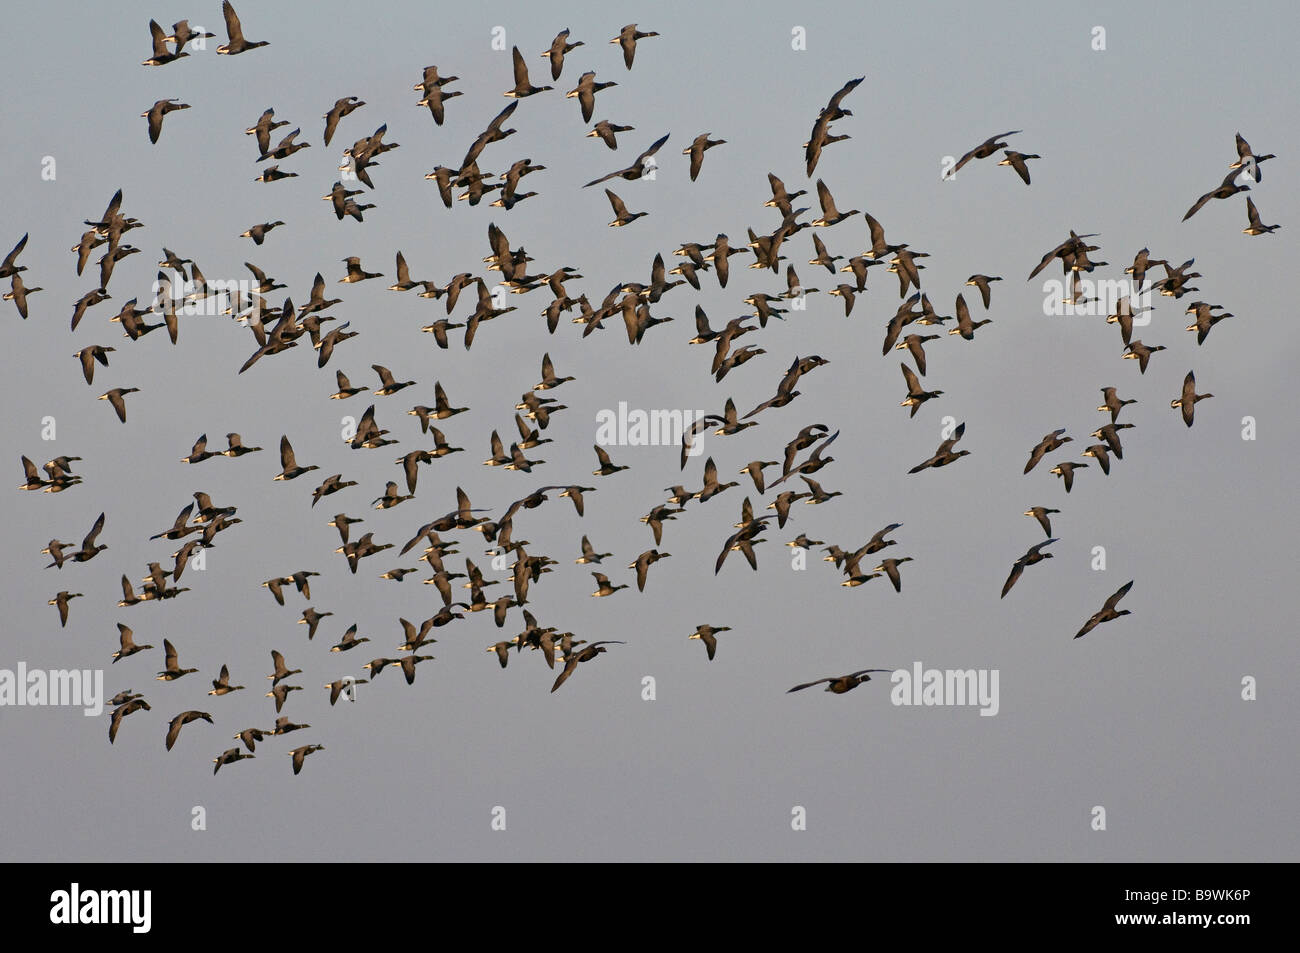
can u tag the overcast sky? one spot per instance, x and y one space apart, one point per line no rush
1143 717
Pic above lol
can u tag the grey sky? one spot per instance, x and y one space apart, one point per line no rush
1143 717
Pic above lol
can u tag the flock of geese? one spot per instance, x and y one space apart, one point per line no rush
787 478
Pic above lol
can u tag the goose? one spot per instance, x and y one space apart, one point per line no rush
1110 435
229 756
607 132
743 541
283 726
127 708
89 549
1107 613
389 384
1187 402
342 107
890 568
830 214
339 197
181 34
803 542
985 149
88 355
356 272
33 481
1113 403
237 44
820 135
839 684
61 600
9 267
1068 251
435 98
349 640
161 54
311 618
1066 472
915 395
1123 316
814 462
281 693
707 634
236 448
1244 156
585 93
262 129
1140 352
1099 452
18 293
377 665
621 215
585 654
637 169
289 469
1205 318
1256 226
221 684
982 283
523 87
1141 262
171 669
128 645
88 300
711 485
404 282
200 452
965 326
155 114
781 200
730 424
299 755
603 586
1175 283
339 685
258 232
827 261
184 718
1052 441
642 565
1017 161
493 133
407 665
251 736
55 548
281 670
330 485
272 173
1033 555
606 466
696 150
627 38
1043 515
589 555
755 470
816 493
915 345
1226 189
559 47
945 454
391 497
286 147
